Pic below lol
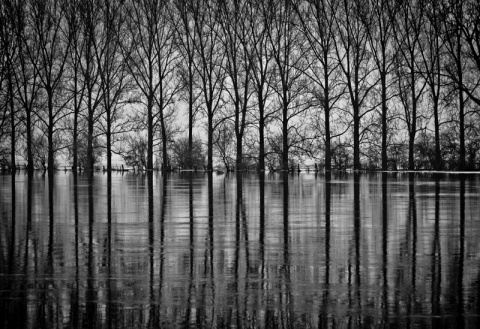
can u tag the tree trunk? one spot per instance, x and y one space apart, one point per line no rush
356 137
413 126
29 140
461 105
166 165
109 140
76 109
12 121
285 138
150 133
261 133
411 146
438 155
326 108
384 121
190 112
239 160
75 141
90 156
51 153
210 141
239 135
328 141
462 152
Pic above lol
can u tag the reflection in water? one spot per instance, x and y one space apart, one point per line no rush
436 257
356 303
244 250
324 318
461 260
90 319
75 293
385 292
191 261
411 248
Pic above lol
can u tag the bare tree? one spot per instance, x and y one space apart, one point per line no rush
168 60
75 84
186 38
462 41
471 35
152 60
381 40
432 56
236 40
9 45
114 78
409 25
356 63
47 20
27 79
318 26
261 61
91 74
288 49
208 64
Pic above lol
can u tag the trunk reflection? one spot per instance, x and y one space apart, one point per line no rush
239 250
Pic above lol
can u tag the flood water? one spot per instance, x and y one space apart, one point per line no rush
192 250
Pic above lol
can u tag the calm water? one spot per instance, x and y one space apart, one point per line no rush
193 250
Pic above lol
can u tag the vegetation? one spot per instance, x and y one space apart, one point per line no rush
362 84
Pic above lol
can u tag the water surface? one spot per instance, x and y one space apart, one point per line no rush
193 250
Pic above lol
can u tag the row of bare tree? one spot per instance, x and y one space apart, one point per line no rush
363 84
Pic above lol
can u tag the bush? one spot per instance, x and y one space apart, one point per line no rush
181 158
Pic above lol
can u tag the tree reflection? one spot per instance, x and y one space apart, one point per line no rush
48 309
286 301
324 311
262 227
239 211
209 251
191 268
91 319
436 258
29 244
385 223
75 294
354 283
163 211
13 305
111 309
411 248
167 252
460 323
13 245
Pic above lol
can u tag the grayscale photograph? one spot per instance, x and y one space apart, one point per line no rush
239 164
